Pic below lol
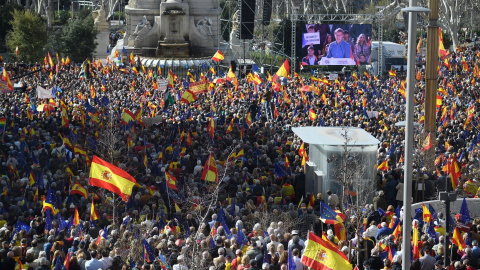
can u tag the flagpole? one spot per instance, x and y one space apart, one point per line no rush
407 194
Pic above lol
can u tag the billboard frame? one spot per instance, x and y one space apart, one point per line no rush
346 18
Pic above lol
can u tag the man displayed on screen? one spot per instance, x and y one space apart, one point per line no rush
310 59
339 48
346 37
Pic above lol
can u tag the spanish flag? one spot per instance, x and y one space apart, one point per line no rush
212 70
32 178
108 176
211 128
230 127
127 117
7 79
419 45
441 49
287 163
427 216
171 181
94 215
311 201
354 76
454 172
320 254
384 166
210 171
218 56
283 71
249 119
457 239
439 101
416 251
301 151
79 189
177 208
188 97
304 158
76 217
171 79
428 143
312 115
392 73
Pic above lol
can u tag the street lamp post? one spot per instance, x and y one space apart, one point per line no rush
407 188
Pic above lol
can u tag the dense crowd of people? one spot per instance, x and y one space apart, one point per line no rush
258 214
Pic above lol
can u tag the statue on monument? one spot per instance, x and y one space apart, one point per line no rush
204 26
100 20
142 27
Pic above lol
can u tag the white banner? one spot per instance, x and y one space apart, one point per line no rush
311 38
162 84
44 93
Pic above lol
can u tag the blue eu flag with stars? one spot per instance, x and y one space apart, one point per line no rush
148 253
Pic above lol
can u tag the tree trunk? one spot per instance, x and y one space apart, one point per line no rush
49 12
453 32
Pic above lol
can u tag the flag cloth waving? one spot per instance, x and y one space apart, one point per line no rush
108 176
283 71
320 254
210 171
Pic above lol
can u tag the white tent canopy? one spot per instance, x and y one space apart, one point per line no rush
335 136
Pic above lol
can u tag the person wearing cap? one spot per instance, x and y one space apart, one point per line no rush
339 48
300 242
310 59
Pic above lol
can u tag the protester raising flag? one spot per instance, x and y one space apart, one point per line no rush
108 176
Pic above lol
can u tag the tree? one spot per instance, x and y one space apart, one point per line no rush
450 13
6 12
29 34
79 39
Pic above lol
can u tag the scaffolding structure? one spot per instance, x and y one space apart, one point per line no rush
343 18
264 38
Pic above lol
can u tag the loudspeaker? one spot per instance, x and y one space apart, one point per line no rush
247 19
233 64
267 12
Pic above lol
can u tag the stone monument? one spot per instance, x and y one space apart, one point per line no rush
100 23
172 28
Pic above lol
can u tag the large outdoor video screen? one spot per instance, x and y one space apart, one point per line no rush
336 44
